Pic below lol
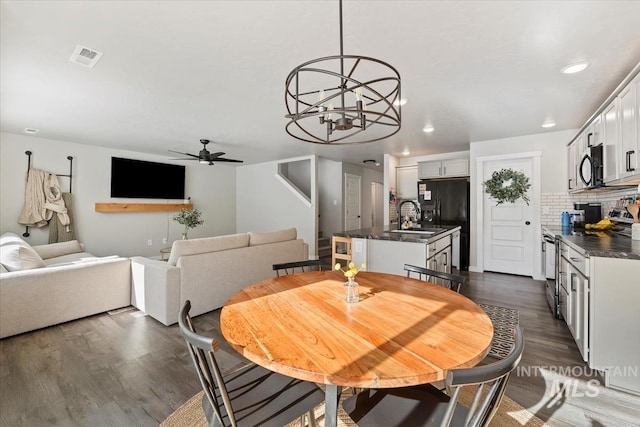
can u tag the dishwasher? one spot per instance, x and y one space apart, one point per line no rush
549 249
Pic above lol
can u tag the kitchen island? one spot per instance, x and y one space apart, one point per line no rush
387 249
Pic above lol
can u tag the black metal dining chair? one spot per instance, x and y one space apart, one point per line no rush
425 405
297 267
250 396
450 281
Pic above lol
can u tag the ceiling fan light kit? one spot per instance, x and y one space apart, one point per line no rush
350 94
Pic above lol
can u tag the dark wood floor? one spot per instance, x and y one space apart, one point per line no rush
126 369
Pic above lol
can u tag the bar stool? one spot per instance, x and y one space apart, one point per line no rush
335 255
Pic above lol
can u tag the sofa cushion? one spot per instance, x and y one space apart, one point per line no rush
74 258
16 254
267 237
53 250
207 244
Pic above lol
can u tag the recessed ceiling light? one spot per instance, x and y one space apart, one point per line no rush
548 125
31 131
428 129
575 68
406 152
400 101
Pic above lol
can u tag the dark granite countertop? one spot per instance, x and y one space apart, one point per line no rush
606 244
384 233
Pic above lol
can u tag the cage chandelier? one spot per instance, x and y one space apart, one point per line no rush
335 99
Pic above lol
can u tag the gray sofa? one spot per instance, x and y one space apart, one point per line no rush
208 271
49 284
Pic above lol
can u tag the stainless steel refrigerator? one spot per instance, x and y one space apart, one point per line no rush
446 202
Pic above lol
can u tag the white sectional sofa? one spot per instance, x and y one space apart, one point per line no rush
49 284
208 271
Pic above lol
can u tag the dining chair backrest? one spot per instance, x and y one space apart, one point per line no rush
297 267
202 351
249 396
491 380
450 281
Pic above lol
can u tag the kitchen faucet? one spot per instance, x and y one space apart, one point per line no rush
415 206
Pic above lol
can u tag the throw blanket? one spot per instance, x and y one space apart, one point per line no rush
42 197
53 201
58 232
33 207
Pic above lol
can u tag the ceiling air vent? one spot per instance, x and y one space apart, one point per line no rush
85 56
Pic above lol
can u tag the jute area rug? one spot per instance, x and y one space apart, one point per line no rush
509 414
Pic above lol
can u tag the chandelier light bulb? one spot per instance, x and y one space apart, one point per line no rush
358 93
327 115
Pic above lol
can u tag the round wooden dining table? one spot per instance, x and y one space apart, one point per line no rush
402 332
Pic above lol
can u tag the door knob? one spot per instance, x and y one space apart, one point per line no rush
527 222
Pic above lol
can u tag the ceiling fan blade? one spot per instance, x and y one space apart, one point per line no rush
186 154
213 156
222 159
185 158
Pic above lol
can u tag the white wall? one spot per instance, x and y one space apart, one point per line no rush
211 188
553 167
329 196
265 203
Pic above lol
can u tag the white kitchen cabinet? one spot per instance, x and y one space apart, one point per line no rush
616 126
439 255
610 141
564 270
407 182
614 337
574 280
572 166
628 154
579 295
443 168
455 250
593 134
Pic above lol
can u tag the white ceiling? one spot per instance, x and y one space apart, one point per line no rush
174 72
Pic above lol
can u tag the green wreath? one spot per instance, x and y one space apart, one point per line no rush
507 185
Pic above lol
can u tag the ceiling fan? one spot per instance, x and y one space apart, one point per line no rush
205 156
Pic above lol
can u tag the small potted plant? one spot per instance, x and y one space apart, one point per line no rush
190 218
351 286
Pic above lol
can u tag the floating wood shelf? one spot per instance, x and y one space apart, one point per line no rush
141 207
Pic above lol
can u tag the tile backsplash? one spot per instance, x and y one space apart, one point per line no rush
553 204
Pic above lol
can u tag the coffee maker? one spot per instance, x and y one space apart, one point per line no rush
592 211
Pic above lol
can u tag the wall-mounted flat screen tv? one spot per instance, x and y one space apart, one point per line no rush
146 180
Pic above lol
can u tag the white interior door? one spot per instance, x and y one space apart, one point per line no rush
377 206
352 201
508 228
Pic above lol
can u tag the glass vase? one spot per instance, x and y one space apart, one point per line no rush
351 290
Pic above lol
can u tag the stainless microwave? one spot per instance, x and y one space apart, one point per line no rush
591 168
